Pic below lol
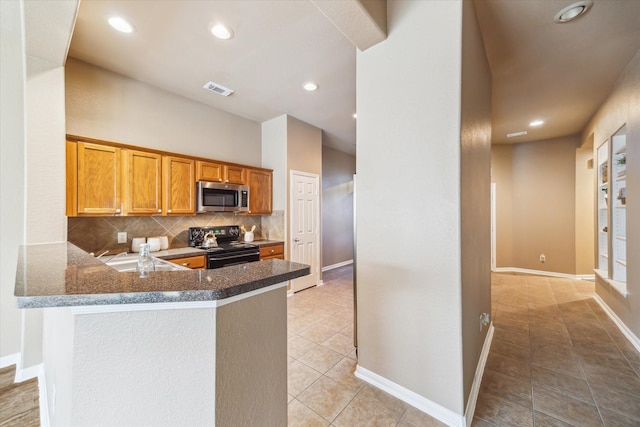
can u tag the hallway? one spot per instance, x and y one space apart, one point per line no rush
556 360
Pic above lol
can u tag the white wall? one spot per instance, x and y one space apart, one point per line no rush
408 204
45 151
274 156
105 105
12 155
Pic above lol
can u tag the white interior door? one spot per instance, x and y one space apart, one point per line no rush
305 233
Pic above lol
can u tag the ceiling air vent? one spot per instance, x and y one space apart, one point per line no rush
219 89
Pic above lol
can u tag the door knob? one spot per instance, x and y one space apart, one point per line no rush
296 240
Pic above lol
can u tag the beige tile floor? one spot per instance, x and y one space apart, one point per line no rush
322 388
556 360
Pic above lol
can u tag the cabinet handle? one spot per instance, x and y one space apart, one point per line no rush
226 180
168 210
219 179
117 210
273 250
185 264
159 210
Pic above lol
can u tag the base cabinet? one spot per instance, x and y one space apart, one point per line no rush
194 262
272 252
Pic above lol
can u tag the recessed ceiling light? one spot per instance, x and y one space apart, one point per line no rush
310 86
222 32
514 134
573 11
536 123
121 24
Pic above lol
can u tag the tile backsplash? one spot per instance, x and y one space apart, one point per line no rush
98 234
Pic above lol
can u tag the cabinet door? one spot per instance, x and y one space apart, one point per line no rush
193 262
179 186
209 171
142 183
98 179
235 175
260 191
272 252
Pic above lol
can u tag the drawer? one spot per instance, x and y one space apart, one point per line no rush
273 251
198 261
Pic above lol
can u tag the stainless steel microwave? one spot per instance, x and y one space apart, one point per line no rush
217 197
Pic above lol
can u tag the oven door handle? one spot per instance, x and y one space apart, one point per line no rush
221 257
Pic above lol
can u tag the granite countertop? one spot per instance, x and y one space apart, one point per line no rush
178 253
267 242
63 275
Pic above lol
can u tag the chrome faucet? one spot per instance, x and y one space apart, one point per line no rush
118 255
103 253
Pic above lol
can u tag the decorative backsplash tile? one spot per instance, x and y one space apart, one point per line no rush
98 234
273 226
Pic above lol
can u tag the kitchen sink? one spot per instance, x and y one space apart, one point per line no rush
130 261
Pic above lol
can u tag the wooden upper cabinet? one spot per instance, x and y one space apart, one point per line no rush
235 175
260 191
118 179
220 172
178 184
96 180
209 171
142 183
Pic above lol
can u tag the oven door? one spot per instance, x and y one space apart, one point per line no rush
219 260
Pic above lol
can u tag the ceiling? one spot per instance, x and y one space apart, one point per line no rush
559 73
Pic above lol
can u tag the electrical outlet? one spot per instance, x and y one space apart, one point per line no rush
122 237
484 320
542 258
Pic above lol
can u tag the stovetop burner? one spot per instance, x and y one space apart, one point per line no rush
226 235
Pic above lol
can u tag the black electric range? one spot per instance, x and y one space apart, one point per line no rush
229 250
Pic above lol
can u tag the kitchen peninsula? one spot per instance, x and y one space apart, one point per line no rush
188 347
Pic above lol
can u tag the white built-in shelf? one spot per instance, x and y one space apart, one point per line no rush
623 238
621 149
622 262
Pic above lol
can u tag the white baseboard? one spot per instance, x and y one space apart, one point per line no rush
544 273
10 359
439 412
337 265
477 379
619 323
